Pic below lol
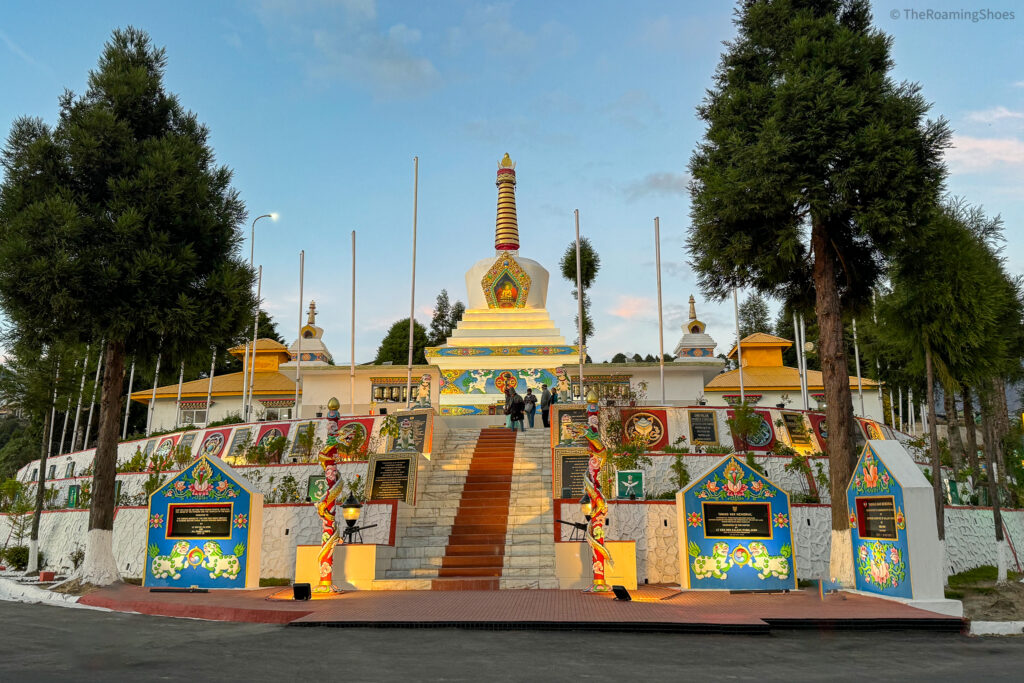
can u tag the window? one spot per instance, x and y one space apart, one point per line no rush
69 471
195 416
277 414
35 474
394 393
52 472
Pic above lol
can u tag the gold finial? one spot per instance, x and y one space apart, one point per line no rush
693 309
312 313
591 395
506 162
333 404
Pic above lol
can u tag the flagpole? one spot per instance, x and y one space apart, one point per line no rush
209 384
739 346
860 382
803 360
152 401
181 378
95 388
412 294
128 401
579 301
298 341
661 325
78 407
352 339
252 361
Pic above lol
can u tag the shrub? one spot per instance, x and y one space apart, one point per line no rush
17 557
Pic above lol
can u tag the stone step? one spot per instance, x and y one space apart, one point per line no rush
410 573
530 561
401 585
426 541
415 562
527 582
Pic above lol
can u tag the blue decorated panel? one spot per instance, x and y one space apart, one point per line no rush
737 532
496 381
199 529
878 528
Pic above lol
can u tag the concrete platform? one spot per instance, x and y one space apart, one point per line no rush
658 609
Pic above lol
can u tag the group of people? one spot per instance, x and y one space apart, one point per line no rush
518 407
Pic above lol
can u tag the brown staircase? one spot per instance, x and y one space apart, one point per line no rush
475 553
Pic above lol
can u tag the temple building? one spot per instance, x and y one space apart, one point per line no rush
769 383
273 392
506 338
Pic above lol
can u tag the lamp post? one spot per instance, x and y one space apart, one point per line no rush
245 356
350 512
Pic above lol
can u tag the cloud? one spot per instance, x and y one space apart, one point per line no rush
994 115
971 154
492 27
1018 84
24 56
633 109
633 307
340 40
664 183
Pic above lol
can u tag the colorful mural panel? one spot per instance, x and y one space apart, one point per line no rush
213 442
648 427
270 432
878 527
205 529
735 531
413 433
495 381
763 438
506 284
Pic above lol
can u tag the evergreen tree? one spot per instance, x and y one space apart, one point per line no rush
117 223
446 317
590 263
754 316
619 358
394 347
814 166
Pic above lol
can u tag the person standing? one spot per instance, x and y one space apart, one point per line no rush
531 405
545 403
518 406
508 407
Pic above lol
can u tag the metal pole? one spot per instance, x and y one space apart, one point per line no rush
661 325
298 342
412 295
860 382
95 388
910 410
799 359
78 408
803 357
579 301
245 355
255 327
901 408
177 411
152 401
67 415
892 409
209 384
739 346
128 401
878 364
53 418
352 340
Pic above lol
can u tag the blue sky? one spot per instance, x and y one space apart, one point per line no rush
320 106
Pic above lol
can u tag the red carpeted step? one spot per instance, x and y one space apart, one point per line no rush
452 584
472 561
476 549
469 571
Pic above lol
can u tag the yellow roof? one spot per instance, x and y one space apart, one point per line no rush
262 344
223 385
763 340
782 378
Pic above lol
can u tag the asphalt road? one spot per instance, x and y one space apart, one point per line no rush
43 643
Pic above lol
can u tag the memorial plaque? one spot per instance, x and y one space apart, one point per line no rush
703 427
241 434
797 429
737 520
390 479
561 420
574 471
199 521
316 488
187 440
877 517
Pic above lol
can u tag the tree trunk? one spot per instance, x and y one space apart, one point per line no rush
972 434
1000 422
933 444
33 543
838 400
992 460
956 444
99 567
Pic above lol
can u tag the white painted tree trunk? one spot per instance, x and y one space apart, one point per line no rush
1002 553
99 567
841 558
33 556
945 563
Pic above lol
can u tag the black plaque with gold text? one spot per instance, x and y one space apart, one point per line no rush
207 520
737 520
702 427
876 517
390 479
574 470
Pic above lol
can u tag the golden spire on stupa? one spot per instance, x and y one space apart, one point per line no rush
506 228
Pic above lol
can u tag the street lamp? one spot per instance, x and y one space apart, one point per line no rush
247 369
586 506
350 511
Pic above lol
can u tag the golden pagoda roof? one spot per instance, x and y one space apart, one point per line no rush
263 344
778 377
223 385
761 340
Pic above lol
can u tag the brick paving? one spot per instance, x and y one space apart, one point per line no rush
652 609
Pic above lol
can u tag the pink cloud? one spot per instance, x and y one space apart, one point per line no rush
969 154
632 307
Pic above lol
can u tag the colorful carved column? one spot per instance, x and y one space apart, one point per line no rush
506 228
329 457
599 506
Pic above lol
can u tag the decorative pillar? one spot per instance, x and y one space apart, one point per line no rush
506 228
599 506
329 458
